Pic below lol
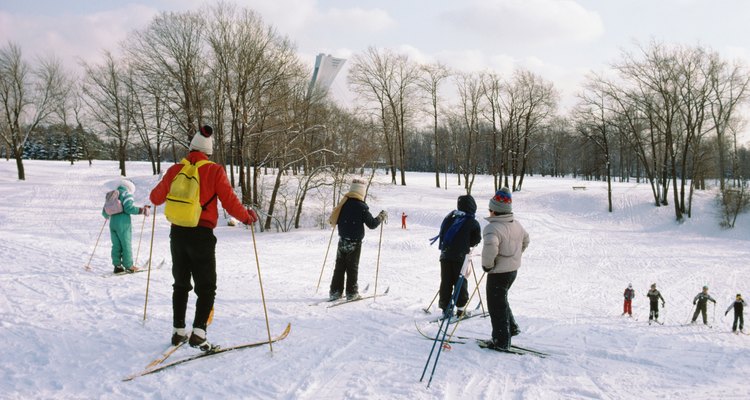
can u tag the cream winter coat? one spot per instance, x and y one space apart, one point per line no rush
504 241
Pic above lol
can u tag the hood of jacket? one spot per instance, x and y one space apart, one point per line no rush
467 204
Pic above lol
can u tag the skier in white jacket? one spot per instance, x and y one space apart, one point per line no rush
504 240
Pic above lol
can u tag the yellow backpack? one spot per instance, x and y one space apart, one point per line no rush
183 205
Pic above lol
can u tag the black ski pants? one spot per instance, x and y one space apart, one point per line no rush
653 312
501 315
193 256
701 309
738 318
449 273
347 266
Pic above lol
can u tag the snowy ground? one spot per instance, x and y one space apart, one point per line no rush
69 333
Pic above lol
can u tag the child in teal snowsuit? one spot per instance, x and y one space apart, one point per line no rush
120 228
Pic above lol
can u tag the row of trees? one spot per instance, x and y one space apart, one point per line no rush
666 114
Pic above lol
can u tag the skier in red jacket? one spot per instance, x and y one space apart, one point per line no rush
629 294
194 249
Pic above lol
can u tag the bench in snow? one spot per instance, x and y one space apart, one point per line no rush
579 187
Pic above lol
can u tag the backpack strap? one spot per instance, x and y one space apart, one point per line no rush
198 165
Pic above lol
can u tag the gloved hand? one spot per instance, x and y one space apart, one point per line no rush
663 304
252 217
693 303
383 216
146 210
486 269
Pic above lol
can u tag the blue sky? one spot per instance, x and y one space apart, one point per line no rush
561 40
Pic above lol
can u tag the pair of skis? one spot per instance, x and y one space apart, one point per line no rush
157 364
482 343
342 301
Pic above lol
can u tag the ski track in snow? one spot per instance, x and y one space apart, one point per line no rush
75 334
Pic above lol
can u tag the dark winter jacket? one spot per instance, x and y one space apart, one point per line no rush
353 215
629 294
738 305
654 296
702 299
468 236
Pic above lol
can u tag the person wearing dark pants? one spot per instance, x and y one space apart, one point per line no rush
347 266
194 247
193 255
653 300
505 240
351 215
459 232
503 324
701 301
739 319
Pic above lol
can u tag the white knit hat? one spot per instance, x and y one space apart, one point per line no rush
203 140
358 186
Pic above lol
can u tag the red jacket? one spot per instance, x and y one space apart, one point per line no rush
213 182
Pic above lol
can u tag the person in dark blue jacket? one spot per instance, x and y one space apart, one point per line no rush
459 232
351 214
739 306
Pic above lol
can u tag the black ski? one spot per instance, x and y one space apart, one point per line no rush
317 303
342 302
208 354
512 350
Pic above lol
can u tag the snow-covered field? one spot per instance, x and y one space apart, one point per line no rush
68 333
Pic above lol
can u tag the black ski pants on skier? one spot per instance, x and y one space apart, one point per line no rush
653 312
503 323
449 273
193 255
701 309
738 317
347 264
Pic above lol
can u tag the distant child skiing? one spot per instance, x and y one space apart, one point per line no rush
118 209
505 240
351 214
702 299
653 297
459 232
403 220
739 305
629 294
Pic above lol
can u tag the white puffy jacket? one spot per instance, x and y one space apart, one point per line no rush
504 241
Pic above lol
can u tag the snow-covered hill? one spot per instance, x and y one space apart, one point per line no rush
69 333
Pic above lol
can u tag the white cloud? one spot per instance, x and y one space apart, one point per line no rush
72 37
527 21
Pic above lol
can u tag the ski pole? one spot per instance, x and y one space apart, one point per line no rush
150 254
262 294
377 264
481 303
444 332
427 309
476 290
713 318
325 259
138 252
434 342
87 267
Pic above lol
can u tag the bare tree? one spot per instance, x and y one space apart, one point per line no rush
429 81
110 102
28 97
170 49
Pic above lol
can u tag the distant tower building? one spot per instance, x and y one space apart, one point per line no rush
326 69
